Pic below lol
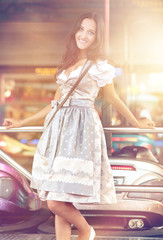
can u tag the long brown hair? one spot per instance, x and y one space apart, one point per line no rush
96 51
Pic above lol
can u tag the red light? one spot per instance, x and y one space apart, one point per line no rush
122 167
124 139
112 150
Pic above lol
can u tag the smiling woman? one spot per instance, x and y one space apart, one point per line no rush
71 163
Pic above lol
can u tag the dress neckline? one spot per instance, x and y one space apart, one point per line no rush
71 73
76 69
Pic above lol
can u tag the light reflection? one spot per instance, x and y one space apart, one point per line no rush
7 93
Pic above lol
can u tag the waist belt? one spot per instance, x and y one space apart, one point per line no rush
74 102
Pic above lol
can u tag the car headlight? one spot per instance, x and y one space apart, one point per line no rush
148 195
6 187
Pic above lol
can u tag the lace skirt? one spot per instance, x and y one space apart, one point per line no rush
71 162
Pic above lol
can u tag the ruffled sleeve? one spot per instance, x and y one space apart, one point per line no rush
102 73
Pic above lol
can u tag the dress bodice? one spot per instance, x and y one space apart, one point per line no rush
97 76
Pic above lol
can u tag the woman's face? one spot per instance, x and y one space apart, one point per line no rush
86 35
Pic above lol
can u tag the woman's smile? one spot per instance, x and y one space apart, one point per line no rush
82 41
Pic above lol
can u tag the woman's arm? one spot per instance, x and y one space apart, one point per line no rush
12 123
111 96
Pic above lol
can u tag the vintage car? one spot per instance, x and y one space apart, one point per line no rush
20 206
133 166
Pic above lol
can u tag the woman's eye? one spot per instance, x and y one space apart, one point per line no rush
91 33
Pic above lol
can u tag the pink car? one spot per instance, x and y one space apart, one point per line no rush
20 206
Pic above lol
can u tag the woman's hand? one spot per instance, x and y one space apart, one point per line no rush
12 123
146 123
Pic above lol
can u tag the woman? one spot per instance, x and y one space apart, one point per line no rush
71 163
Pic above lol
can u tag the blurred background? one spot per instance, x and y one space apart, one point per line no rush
32 41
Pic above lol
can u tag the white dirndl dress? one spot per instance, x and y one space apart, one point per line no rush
71 162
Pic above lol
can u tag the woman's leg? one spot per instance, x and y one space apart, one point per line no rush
71 215
62 228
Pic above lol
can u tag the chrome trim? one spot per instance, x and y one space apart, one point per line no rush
106 129
15 165
136 188
125 205
132 130
23 129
